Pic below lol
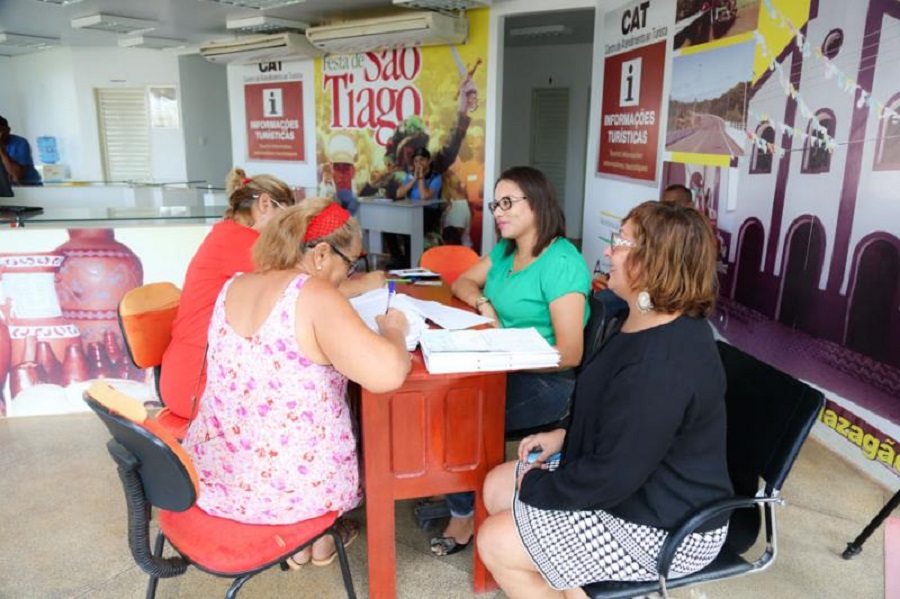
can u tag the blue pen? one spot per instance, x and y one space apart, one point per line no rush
392 287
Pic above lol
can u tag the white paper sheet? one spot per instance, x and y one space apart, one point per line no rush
375 302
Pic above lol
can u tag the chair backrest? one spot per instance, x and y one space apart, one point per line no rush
146 315
449 261
608 311
770 414
168 478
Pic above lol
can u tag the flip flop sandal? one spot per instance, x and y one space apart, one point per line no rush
348 531
293 564
443 546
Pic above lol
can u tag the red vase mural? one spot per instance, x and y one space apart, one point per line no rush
34 317
97 272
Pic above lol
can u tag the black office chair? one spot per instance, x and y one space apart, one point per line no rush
607 312
770 415
156 472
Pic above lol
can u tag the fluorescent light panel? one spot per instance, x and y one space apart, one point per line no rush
156 43
443 4
114 24
265 24
540 31
257 4
32 42
59 2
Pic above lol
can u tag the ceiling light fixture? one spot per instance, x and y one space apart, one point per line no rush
265 24
114 24
59 2
154 43
443 4
33 42
258 4
540 31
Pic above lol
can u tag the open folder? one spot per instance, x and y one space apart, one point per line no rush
486 350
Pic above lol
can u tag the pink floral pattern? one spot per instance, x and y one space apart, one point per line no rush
273 440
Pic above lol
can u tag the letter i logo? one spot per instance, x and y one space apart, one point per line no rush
630 83
273 105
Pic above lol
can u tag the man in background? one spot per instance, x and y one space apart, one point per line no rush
678 195
15 154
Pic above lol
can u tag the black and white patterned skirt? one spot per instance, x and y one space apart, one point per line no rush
575 548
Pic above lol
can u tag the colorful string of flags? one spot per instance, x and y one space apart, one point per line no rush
845 83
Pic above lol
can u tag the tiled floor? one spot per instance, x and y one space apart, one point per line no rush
62 532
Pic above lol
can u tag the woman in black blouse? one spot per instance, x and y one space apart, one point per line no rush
646 439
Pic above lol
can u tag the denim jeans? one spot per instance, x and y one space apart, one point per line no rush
532 399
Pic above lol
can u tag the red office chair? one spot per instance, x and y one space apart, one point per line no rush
146 315
156 472
449 261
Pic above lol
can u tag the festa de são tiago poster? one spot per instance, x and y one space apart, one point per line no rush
374 109
274 115
634 69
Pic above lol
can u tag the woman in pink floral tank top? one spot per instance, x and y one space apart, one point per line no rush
273 441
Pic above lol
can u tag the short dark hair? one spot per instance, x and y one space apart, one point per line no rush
423 152
539 193
3 122
679 195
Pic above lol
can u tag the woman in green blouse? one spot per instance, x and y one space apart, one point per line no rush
534 277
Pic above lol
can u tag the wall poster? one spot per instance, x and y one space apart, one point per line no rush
375 109
634 70
274 115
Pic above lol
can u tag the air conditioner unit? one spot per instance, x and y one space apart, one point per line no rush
259 48
407 29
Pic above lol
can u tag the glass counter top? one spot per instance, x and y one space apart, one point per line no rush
16 217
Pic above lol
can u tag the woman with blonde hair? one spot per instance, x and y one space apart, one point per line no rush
645 443
273 441
226 251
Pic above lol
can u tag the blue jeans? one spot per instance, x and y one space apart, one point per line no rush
532 399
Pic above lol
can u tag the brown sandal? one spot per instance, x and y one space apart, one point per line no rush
348 531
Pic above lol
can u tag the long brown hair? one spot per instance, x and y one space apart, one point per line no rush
674 259
539 193
244 191
281 245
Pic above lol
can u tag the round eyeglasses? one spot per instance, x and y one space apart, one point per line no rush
616 241
351 264
504 203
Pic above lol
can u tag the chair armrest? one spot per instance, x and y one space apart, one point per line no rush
703 514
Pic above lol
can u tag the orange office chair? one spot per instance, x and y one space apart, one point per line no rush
449 261
146 315
156 472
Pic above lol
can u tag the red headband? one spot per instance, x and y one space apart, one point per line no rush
326 222
246 180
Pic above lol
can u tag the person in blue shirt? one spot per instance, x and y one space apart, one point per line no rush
15 154
423 183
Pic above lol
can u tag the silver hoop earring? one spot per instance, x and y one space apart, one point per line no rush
644 303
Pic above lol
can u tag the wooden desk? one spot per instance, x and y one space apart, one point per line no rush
381 215
436 434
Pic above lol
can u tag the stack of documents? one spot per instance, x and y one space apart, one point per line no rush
486 350
371 304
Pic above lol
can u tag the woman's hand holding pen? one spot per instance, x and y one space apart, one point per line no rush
393 322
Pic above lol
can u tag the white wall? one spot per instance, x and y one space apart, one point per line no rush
203 96
45 93
132 67
563 66
55 94
295 174
9 103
